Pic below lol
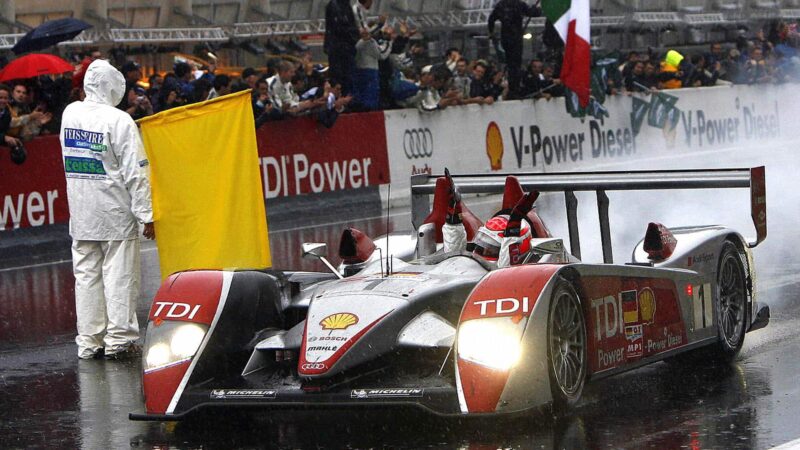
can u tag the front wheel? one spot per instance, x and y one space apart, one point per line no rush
566 352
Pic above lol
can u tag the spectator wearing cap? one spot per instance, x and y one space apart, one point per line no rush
132 72
366 84
341 36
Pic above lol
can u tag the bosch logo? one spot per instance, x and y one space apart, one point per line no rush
418 143
313 366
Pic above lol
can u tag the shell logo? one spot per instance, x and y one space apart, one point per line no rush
338 321
494 146
647 305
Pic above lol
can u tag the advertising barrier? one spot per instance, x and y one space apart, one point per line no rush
369 150
34 193
303 157
541 136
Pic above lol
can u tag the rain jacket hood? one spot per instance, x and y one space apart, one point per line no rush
103 83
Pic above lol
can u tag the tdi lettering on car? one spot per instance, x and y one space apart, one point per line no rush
631 318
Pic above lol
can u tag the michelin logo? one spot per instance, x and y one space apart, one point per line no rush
220 394
386 393
84 139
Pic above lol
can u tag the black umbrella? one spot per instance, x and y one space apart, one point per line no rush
50 33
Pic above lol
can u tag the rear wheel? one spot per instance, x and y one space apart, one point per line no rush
566 335
731 303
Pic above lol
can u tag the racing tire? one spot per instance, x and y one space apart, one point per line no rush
730 303
567 346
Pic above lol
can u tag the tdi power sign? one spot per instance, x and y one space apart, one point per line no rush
33 193
303 157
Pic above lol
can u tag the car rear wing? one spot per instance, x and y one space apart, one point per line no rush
422 186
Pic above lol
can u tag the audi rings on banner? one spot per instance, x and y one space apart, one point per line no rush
418 143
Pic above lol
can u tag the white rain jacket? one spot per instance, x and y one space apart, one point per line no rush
104 161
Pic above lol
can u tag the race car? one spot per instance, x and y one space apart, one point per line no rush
404 323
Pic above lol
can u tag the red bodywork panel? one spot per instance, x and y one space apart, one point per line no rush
510 292
160 386
630 318
758 203
187 297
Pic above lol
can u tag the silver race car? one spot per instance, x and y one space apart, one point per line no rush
450 332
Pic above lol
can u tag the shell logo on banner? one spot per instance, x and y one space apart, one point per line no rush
494 146
338 321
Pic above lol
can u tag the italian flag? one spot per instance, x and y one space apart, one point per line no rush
571 20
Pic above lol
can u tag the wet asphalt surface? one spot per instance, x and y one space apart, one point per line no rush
50 399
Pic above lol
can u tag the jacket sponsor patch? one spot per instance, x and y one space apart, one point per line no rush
83 166
387 393
242 393
84 139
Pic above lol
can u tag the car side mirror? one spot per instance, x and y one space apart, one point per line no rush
318 250
314 249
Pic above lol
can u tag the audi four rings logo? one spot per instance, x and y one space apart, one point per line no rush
418 143
314 366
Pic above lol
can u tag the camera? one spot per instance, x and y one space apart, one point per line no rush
18 154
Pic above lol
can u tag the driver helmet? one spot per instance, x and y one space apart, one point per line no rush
489 239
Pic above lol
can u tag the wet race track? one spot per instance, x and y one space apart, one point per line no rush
50 399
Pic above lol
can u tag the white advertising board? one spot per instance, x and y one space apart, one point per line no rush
540 136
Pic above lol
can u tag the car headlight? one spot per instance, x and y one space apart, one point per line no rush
171 342
493 342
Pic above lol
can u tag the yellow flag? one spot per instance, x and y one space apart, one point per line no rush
208 203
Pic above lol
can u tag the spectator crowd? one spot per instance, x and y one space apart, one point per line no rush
377 63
